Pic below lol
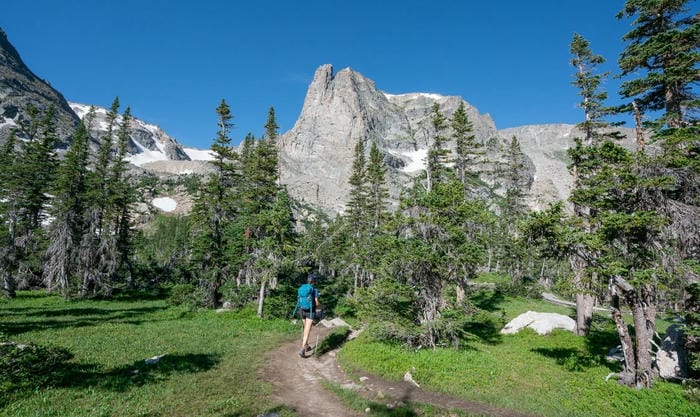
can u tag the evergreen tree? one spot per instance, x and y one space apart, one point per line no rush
29 170
585 164
122 196
357 200
97 257
516 181
377 193
213 212
68 208
662 56
8 247
467 149
437 154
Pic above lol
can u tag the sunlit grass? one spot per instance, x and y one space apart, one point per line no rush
555 375
208 368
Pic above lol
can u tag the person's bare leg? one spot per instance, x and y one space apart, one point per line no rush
307 332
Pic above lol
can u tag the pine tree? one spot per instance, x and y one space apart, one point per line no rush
584 166
467 149
97 257
68 208
377 192
29 171
8 248
122 196
516 182
357 200
662 56
654 196
437 154
214 211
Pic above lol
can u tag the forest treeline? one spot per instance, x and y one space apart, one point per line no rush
628 237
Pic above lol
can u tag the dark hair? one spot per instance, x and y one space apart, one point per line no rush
311 278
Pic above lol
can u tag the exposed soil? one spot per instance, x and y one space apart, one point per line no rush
298 383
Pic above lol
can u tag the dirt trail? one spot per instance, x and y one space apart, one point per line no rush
298 383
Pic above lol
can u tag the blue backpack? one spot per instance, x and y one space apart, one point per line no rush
305 297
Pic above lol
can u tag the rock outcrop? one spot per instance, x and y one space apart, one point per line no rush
344 107
542 323
20 88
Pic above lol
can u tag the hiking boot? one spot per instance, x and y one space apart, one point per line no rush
301 353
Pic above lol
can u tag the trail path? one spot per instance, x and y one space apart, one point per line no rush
298 383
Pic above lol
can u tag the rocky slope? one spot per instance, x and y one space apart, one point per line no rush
344 107
20 87
149 146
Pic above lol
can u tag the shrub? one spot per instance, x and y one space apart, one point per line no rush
30 366
185 295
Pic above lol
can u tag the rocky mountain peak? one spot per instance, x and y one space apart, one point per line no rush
344 107
20 87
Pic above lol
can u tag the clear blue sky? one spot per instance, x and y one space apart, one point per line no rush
173 61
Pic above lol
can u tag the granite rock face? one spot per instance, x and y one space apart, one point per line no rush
341 108
20 87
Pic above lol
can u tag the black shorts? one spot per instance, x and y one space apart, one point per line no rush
306 314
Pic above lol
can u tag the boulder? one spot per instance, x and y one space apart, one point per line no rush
671 359
542 323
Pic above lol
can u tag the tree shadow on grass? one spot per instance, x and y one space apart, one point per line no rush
76 317
135 374
488 300
573 360
487 331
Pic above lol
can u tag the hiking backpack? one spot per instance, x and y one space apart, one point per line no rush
305 297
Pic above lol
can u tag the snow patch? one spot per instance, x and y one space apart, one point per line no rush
418 160
165 203
145 156
199 154
413 96
8 121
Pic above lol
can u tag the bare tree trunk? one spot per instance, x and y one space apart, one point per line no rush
584 301
627 374
261 297
642 305
638 126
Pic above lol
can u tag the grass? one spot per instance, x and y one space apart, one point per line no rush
555 375
209 367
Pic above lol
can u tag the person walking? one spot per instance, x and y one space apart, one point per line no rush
308 303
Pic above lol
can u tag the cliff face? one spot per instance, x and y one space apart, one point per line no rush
20 87
344 107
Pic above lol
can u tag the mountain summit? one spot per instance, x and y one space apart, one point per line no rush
20 87
344 107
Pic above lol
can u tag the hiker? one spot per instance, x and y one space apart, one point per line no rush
307 303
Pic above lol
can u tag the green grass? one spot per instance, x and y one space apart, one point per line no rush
555 375
209 368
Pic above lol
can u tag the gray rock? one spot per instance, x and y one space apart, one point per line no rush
316 154
341 108
672 357
20 87
542 323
